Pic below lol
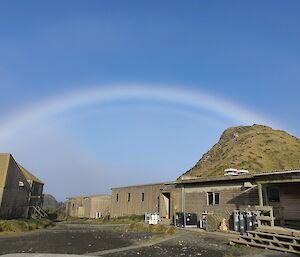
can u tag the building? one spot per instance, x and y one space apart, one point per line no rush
20 191
136 200
222 195
36 185
93 206
219 196
281 191
273 195
163 198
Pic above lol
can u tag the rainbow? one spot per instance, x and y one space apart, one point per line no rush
111 93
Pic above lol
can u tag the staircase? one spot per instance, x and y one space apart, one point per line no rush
269 236
273 238
37 212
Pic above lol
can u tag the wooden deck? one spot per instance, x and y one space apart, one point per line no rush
273 238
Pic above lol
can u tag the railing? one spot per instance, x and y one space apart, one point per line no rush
38 212
265 216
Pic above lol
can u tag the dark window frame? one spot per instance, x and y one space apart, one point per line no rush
213 198
273 193
143 196
216 202
210 198
128 197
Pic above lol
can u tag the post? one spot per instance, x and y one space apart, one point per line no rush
182 199
260 195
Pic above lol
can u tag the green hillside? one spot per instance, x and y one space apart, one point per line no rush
50 202
255 148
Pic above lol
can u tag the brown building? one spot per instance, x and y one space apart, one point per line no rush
136 200
164 198
19 189
222 195
93 206
36 185
219 196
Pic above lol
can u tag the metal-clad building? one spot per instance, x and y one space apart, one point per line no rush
139 199
224 194
92 206
19 189
219 196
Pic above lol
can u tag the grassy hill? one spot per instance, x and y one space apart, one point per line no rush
255 148
50 202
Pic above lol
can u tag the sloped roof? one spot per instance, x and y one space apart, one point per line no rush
29 176
5 159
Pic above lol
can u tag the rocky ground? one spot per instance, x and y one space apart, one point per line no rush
117 241
193 244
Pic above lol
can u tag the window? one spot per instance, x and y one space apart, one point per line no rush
210 198
128 197
143 197
217 198
213 198
273 194
117 197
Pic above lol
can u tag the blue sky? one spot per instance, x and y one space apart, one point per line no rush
244 53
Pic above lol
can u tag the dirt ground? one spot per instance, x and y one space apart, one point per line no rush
117 241
193 244
71 239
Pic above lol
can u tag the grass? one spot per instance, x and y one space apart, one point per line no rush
258 148
119 220
56 214
136 223
124 219
23 225
156 229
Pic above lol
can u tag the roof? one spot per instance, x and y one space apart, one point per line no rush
5 159
88 196
25 172
142 185
239 177
29 176
218 178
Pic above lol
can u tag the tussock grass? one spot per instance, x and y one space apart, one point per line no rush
56 214
124 219
107 220
136 223
20 225
159 229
